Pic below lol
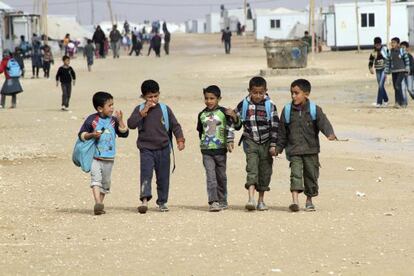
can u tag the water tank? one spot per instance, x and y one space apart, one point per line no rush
286 53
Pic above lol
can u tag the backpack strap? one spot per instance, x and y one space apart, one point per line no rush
245 107
288 109
166 119
268 106
286 112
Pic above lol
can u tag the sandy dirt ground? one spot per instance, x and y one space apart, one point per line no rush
47 225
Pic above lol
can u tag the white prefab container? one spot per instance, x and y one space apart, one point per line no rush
279 23
201 26
341 23
213 21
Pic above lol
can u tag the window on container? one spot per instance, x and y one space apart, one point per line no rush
364 20
275 23
371 20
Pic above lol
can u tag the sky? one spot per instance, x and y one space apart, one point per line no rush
139 10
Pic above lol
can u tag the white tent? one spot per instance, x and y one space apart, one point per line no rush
60 25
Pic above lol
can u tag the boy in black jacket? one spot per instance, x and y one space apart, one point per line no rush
298 135
65 75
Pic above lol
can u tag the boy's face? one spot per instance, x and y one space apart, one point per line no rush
377 46
66 62
257 93
107 109
211 100
152 97
394 44
404 47
298 96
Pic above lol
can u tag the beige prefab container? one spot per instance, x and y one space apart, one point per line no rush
283 54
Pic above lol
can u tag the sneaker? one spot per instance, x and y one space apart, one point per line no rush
98 209
224 205
309 207
377 105
251 205
397 106
261 206
63 108
294 207
214 207
163 207
142 209
384 104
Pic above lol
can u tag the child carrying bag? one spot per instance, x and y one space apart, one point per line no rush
83 153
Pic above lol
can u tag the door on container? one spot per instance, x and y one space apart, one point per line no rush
410 10
330 30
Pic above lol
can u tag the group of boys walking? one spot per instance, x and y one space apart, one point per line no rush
398 62
264 137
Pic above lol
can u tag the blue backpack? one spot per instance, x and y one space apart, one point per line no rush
13 68
83 153
245 107
288 108
166 123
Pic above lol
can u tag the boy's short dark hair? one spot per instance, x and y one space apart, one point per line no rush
65 58
377 40
257 82
396 39
213 89
149 86
303 84
100 98
405 43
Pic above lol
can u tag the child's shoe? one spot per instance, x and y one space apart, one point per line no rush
309 207
251 205
98 209
261 206
142 209
224 205
384 104
163 207
214 207
294 207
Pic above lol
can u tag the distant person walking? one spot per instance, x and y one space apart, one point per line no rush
99 40
167 38
47 60
376 66
226 39
88 52
308 41
136 44
12 72
65 75
115 39
36 56
156 44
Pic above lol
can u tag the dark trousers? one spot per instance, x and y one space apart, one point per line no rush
158 160
227 46
3 100
397 79
215 166
382 96
157 50
66 92
102 49
136 49
46 68
167 47
35 71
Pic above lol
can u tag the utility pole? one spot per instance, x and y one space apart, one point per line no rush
312 25
245 12
388 20
357 25
110 11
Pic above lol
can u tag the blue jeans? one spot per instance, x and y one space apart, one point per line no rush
158 160
407 86
382 94
397 80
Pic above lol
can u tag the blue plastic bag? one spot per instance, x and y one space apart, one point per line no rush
83 153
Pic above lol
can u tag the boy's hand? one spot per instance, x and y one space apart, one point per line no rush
230 147
332 137
272 151
371 70
147 107
180 146
230 112
97 134
119 115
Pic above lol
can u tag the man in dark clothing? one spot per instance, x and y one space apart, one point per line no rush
115 39
226 39
99 40
156 44
167 38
